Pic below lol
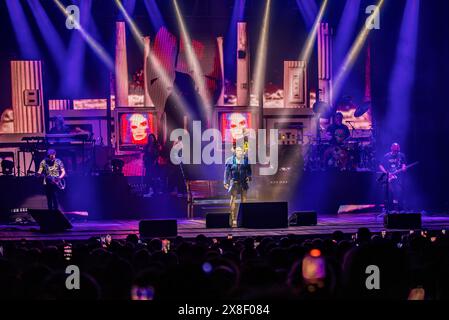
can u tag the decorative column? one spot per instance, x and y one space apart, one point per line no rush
121 66
146 61
220 101
27 96
325 63
243 63
295 84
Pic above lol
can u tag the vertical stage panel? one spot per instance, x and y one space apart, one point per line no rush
146 61
27 96
59 104
325 63
243 85
121 66
295 84
220 101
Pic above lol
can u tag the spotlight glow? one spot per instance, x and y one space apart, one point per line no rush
307 50
154 61
402 79
193 62
98 49
354 52
261 58
134 29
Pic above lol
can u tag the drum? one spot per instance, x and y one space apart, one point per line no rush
313 156
367 158
353 150
336 157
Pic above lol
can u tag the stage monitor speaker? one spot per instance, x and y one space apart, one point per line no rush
263 215
149 229
402 221
303 218
217 220
50 220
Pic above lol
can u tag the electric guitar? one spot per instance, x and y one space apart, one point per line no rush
393 175
60 183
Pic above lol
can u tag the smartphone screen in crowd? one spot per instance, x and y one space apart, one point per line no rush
165 245
68 251
142 293
313 268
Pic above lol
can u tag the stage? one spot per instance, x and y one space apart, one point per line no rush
119 229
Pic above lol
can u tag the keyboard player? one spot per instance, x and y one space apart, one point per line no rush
68 141
61 128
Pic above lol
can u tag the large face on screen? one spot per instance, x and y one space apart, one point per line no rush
237 125
139 128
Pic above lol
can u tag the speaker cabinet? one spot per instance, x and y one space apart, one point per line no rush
50 220
402 221
149 229
263 215
303 218
217 220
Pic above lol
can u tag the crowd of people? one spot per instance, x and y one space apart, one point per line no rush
410 266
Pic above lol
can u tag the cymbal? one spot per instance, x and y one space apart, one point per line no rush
362 109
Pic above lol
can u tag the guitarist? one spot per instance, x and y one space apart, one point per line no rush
53 171
393 165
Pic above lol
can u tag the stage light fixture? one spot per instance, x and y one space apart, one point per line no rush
7 167
117 166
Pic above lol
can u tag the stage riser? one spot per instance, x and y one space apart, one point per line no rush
110 197
102 197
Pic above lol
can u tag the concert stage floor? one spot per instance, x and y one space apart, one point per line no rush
119 229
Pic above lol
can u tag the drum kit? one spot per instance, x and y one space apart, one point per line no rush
355 153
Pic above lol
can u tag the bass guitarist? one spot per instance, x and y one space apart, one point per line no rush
393 165
53 171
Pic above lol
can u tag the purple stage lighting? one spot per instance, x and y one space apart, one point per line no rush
230 46
72 86
345 31
49 34
309 11
403 75
28 47
155 15
129 6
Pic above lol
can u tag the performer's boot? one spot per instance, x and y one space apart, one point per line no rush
232 213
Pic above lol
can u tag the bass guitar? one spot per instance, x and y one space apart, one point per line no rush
394 175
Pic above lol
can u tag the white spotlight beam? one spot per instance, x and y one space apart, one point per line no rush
354 52
307 50
134 29
261 58
192 60
96 47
